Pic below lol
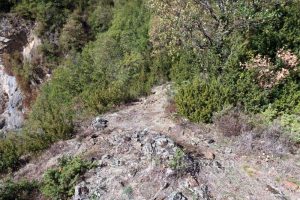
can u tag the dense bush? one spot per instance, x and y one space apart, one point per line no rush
21 190
101 16
59 183
201 98
73 35
51 119
291 123
50 14
238 60
10 152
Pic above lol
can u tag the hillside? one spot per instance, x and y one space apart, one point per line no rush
135 150
149 99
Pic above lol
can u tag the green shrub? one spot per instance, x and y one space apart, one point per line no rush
245 91
269 114
59 183
128 192
21 190
51 15
291 123
51 118
286 97
186 68
73 35
190 65
10 153
101 16
177 162
201 98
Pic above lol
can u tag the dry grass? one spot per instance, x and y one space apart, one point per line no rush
13 66
171 107
232 123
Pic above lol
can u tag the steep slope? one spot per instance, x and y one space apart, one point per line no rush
11 115
13 36
136 148
19 46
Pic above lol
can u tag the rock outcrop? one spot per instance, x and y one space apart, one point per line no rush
142 152
14 34
11 112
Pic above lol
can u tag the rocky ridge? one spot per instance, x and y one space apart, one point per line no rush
142 151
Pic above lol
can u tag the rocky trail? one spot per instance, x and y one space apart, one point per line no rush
137 145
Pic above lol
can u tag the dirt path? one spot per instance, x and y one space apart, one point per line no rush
226 172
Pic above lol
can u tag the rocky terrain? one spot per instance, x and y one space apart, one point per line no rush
11 101
235 70
16 35
143 151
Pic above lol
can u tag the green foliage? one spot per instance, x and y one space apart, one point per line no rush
278 28
50 14
118 72
269 114
286 97
198 100
292 126
10 153
110 70
177 162
21 190
259 31
59 183
73 35
128 191
245 91
108 53
51 118
101 16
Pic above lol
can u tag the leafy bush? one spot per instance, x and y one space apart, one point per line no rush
73 35
10 153
59 183
286 99
269 114
51 15
201 98
177 162
291 123
21 190
101 16
51 119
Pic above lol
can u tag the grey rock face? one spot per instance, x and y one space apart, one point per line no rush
99 123
11 101
177 196
135 161
14 33
81 192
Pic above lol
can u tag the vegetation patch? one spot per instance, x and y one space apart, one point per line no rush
59 183
21 190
